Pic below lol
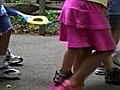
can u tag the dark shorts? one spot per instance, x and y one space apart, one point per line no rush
115 21
5 24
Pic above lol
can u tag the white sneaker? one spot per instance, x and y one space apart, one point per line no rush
7 71
13 59
100 70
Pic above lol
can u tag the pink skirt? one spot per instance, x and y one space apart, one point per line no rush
100 40
84 24
83 14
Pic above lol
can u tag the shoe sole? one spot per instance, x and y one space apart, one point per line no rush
113 82
10 76
16 61
101 74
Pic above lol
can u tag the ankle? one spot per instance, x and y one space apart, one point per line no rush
64 71
76 83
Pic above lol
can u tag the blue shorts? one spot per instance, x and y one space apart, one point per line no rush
5 24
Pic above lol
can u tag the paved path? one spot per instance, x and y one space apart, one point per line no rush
42 55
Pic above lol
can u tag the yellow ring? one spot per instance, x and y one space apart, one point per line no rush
38 20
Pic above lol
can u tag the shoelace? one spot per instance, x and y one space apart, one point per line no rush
59 77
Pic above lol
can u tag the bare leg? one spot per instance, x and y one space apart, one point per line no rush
64 72
4 41
68 59
109 65
80 58
88 65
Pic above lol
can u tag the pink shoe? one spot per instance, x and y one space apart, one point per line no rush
66 85
52 86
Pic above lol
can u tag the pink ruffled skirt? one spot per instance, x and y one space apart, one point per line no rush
84 24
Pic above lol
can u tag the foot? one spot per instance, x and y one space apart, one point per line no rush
8 72
100 70
13 59
59 77
66 85
113 77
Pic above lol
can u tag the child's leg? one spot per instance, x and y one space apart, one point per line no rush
4 41
113 74
64 72
5 70
80 58
88 65
108 63
116 36
68 59
115 24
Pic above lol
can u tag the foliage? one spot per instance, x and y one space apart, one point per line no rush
21 27
13 1
52 16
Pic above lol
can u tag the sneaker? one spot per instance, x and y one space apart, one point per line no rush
8 72
113 77
59 77
13 59
100 70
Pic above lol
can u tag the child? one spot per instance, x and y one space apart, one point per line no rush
114 18
5 32
84 26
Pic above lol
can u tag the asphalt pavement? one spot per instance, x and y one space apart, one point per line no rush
42 56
